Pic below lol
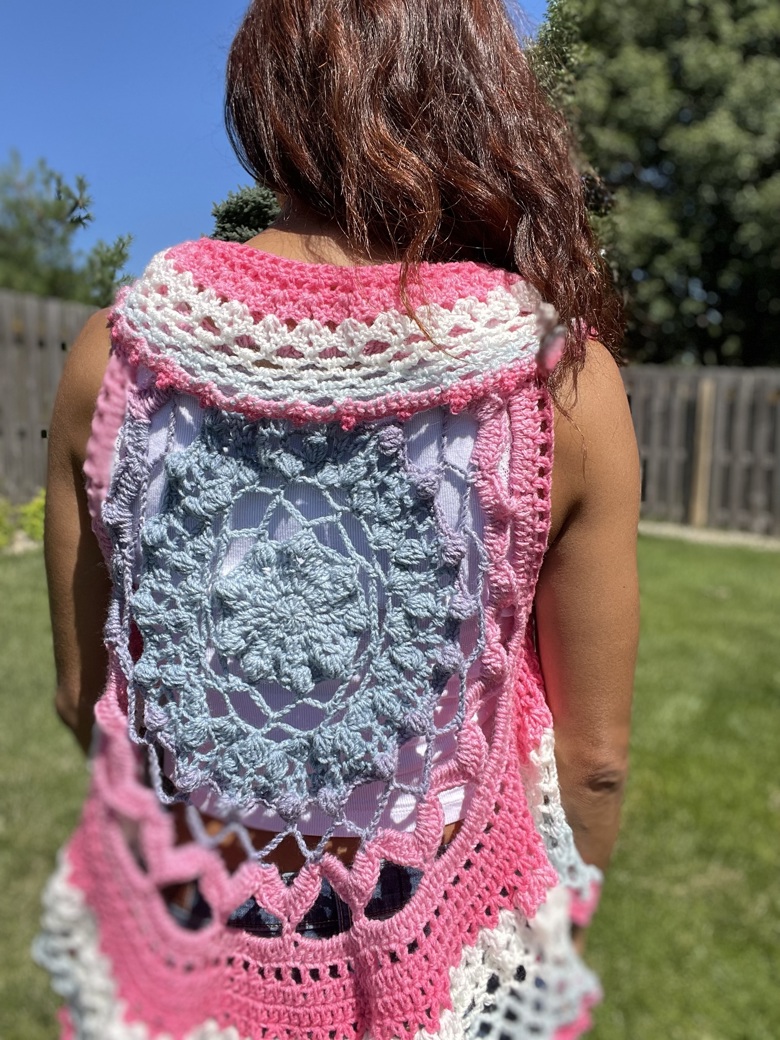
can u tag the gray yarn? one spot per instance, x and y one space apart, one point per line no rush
354 614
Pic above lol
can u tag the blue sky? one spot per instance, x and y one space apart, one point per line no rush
130 95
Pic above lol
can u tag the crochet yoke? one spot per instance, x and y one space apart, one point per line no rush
324 524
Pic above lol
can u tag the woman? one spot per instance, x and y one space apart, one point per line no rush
348 593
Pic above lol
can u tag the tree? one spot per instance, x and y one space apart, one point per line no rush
676 105
40 217
244 213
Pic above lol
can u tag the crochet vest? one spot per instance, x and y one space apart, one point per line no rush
324 523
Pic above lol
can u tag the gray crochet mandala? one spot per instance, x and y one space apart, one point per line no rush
353 608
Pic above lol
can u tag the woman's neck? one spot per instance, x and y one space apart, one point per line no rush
299 233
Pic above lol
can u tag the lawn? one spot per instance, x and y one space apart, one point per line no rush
688 938
42 778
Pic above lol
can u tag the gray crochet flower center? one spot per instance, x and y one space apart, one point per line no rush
292 613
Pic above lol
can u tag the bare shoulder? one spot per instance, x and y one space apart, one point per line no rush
596 463
80 385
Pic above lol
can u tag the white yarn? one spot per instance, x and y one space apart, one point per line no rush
557 983
540 780
67 947
473 337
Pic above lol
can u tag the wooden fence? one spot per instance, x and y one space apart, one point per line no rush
709 438
35 334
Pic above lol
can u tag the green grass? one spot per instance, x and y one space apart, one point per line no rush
42 778
688 937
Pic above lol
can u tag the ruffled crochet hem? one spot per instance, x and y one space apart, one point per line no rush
522 978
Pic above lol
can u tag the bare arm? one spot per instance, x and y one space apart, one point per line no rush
587 609
76 573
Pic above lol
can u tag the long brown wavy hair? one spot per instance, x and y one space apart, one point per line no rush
419 128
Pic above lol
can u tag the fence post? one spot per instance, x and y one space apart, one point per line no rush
698 513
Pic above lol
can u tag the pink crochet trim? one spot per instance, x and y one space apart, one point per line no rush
66 1025
582 910
109 413
294 290
379 974
275 338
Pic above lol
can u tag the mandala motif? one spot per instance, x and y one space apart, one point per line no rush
349 608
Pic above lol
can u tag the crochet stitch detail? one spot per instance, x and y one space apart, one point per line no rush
515 978
394 621
233 353
366 634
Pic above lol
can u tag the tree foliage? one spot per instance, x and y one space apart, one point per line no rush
244 213
676 105
40 219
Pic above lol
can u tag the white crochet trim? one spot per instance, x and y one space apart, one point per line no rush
551 995
222 342
543 793
557 987
68 948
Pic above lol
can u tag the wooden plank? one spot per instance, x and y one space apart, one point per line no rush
635 381
775 492
7 401
741 451
13 393
657 413
34 335
688 434
643 394
701 479
720 454
758 491
32 476
54 318
676 447
51 370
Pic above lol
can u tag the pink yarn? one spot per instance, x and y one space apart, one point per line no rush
66 1026
581 1024
387 977
582 910
327 292
109 413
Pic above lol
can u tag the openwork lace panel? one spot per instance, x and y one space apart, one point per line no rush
302 597
324 527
